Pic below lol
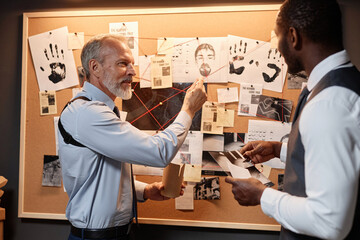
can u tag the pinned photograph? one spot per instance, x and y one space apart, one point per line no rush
130 31
274 108
296 80
51 171
207 189
164 104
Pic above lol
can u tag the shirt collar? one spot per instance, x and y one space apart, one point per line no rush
96 94
321 69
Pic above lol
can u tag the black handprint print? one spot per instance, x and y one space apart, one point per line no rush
58 69
235 55
273 66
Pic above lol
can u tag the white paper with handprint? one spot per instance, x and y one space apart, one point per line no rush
130 31
254 61
54 64
199 57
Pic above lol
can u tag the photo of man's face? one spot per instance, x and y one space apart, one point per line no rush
205 58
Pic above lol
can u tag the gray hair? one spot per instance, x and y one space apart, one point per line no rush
93 47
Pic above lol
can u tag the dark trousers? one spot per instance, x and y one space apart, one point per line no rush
72 237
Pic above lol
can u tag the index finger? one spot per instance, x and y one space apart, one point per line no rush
246 148
198 82
230 180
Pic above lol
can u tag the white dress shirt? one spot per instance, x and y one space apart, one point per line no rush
330 132
97 177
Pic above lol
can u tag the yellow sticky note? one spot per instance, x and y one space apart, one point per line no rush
192 173
226 117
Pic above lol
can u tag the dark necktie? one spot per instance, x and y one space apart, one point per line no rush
134 206
301 103
116 111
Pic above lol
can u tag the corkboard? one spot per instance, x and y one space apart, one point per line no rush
37 132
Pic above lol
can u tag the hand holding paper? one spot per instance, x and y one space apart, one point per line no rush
261 151
246 191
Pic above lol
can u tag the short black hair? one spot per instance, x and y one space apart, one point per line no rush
318 20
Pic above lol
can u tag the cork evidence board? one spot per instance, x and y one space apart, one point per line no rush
37 132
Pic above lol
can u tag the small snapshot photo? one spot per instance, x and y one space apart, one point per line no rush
296 80
166 71
244 108
207 189
274 108
185 158
255 99
51 171
131 42
207 126
157 82
47 102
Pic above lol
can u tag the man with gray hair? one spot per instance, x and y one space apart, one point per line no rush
97 148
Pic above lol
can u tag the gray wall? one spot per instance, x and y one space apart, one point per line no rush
10 94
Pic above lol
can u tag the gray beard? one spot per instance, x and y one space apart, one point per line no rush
115 88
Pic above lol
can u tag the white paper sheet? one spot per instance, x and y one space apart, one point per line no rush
165 46
186 201
190 151
269 131
53 61
249 98
254 61
199 57
130 30
228 95
56 121
238 172
213 142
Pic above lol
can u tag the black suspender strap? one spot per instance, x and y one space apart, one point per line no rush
68 139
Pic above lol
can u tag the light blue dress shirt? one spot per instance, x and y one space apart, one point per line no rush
97 178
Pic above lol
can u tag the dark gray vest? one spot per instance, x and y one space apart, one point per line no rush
294 178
